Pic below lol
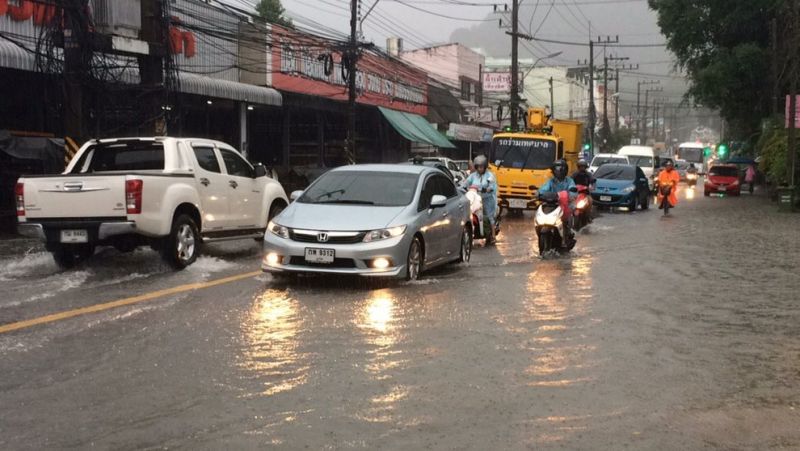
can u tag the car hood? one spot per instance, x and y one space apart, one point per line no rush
605 185
333 217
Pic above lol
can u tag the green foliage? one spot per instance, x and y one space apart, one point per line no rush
723 45
273 12
619 138
771 146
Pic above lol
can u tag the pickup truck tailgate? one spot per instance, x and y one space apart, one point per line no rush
77 196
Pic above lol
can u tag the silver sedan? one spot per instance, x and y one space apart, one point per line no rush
371 220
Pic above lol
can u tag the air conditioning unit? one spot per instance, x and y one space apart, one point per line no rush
118 17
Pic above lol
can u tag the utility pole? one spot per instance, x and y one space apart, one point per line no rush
514 64
152 65
776 85
552 104
639 116
351 55
591 96
75 69
616 87
793 73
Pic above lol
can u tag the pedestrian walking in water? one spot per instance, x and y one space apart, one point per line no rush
750 177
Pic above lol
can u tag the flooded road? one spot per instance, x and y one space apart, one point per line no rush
656 333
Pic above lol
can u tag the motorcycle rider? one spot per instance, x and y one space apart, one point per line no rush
558 183
669 177
582 176
486 183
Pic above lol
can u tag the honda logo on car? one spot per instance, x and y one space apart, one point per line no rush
322 237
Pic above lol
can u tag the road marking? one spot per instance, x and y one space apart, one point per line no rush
122 302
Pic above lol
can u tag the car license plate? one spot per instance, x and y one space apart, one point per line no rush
517 203
320 255
605 198
74 236
720 188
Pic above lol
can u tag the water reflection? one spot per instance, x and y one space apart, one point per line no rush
558 301
377 319
271 353
689 193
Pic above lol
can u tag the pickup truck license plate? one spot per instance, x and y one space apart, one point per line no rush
320 255
74 236
605 198
517 203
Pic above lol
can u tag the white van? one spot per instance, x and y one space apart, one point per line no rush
693 153
644 157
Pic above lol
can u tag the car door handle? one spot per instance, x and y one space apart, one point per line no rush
204 181
233 184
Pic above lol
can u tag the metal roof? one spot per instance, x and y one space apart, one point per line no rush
224 89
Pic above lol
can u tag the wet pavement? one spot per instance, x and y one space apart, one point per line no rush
656 333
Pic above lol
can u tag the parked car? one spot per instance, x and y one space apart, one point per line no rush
371 220
464 166
722 179
172 194
451 166
455 177
621 185
606 158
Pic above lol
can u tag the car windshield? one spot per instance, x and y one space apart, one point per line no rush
690 154
462 165
384 189
641 161
723 171
521 153
616 172
599 161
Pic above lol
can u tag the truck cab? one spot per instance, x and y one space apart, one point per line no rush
521 160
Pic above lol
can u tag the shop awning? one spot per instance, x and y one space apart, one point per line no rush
15 57
414 127
224 89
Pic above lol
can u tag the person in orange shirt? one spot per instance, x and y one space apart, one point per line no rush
669 177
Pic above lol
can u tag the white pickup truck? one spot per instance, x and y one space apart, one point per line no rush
170 193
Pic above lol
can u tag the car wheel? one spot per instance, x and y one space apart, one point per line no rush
68 256
705 193
274 211
414 260
466 245
632 203
181 247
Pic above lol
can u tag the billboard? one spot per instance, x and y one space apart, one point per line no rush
305 64
499 81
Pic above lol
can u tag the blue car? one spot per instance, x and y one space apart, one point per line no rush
621 185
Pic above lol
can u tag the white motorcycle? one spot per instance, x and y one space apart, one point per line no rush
552 232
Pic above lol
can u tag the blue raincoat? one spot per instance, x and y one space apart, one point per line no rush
554 186
489 198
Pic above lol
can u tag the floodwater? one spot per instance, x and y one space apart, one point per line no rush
655 333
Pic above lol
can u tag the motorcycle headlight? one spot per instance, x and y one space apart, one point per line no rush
384 234
628 189
278 230
583 203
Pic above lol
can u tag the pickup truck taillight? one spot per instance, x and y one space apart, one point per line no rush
19 195
133 196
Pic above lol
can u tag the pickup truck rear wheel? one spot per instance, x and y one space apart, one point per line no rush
181 247
69 255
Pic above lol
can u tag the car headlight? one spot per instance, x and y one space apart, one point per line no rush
384 234
583 203
628 189
278 230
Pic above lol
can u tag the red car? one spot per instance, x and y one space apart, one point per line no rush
723 179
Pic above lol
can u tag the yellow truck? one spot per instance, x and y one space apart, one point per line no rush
521 160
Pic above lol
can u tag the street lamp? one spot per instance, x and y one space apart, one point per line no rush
533 66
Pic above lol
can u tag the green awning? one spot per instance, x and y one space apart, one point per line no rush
414 127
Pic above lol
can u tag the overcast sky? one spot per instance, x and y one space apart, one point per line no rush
423 23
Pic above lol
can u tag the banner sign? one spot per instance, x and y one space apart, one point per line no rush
308 65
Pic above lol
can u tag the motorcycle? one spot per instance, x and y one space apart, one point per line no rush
691 179
583 208
480 224
554 234
663 197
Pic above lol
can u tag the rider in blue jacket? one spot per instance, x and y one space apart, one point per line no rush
486 183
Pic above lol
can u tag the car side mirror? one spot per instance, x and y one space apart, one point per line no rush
261 170
438 201
498 163
295 195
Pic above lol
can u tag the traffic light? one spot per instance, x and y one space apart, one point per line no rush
722 150
587 146
707 151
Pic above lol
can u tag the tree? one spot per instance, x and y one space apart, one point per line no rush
273 12
724 47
